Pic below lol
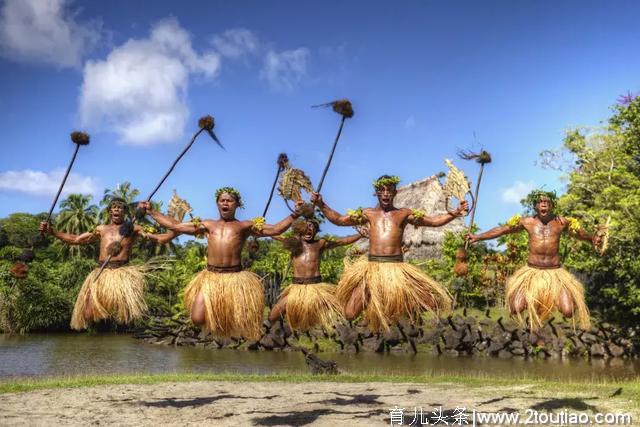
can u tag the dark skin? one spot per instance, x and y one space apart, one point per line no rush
386 229
306 264
225 237
544 230
108 234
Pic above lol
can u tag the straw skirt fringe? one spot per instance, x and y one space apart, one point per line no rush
234 302
311 305
118 293
541 289
391 290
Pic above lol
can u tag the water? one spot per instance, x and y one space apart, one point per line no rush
39 355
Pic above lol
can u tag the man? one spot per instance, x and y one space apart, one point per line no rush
308 302
119 291
543 285
385 287
224 299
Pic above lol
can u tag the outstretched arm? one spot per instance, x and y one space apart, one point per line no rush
513 226
335 217
191 227
575 230
72 239
260 229
159 238
419 219
341 241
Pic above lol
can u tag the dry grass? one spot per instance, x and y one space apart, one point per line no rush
311 305
541 289
233 302
392 291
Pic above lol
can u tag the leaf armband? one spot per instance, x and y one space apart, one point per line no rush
514 221
199 226
258 223
356 215
574 224
418 213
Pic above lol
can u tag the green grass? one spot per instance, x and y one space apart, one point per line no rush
631 388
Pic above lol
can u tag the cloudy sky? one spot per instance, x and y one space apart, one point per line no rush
425 78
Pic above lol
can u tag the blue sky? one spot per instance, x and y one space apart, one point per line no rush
425 78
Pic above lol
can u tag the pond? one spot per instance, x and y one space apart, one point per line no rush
37 355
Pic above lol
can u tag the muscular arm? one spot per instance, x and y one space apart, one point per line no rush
279 238
76 239
160 238
270 230
498 231
342 241
431 221
173 225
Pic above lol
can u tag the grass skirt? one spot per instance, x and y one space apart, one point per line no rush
391 290
234 302
118 293
541 289
311 305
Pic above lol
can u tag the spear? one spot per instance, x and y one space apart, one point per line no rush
345 109
206 124
483 158
78 138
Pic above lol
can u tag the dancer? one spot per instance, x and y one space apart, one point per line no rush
543 285
308 302
119 291
385 287
224 299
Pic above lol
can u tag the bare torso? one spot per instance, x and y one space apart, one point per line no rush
386 229
307 263
109 234
544 240
225 241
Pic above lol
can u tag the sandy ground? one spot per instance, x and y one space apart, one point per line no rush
277 403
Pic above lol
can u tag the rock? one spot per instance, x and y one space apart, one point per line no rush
518 351
504 354
588 338
597 350
615 350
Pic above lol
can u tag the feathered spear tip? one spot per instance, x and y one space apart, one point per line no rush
114 248
207 123
80 138
19 270
340 106
283 161
483 157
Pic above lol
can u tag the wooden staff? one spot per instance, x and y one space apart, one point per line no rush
205 124
483 158
345 109
78 138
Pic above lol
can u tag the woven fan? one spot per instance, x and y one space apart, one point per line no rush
603 232
456 184
292 182
178 207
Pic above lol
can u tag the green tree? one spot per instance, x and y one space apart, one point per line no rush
76 216
604 181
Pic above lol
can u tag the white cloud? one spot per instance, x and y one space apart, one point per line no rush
236 43
410 123
517 191
285 69
45 183
139 90
45 31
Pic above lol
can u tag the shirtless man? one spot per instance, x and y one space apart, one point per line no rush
308 302
224 299
385 287
543 285
119 290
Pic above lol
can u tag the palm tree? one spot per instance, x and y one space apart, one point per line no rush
123 191
77 216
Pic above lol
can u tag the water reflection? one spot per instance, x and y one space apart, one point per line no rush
81 354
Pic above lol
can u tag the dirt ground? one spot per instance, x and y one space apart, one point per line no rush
280 403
